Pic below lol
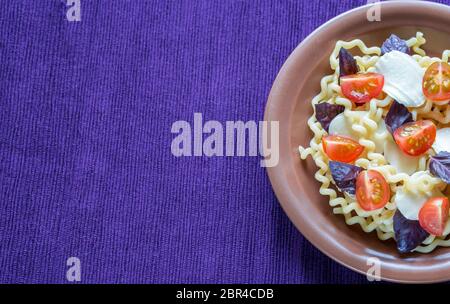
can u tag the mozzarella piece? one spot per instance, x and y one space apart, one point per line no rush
442 142
400 161
402 78
340 125
410 203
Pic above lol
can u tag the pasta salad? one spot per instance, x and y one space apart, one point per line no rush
381 140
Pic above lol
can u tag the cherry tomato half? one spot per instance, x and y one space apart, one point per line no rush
433 215
372 190
341 148
361 88
415 138
436 82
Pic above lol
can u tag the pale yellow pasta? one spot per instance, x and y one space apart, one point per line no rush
365 122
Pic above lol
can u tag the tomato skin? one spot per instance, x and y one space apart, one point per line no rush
433 215
372 190
416 138
361 88
436 82
341 148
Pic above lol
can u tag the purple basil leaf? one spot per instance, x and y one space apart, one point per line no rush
347 64
397 116
344 175
408 234
394 43
440 166
326 112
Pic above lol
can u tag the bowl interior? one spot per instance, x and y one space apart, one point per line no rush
289 103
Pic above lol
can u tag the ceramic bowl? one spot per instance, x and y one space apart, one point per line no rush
293 179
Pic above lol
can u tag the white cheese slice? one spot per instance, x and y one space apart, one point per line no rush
400 161
442 142
402 78
340 125
410 203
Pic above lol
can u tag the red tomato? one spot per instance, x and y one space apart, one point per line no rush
415 138
341 148
361 88
436 82
434 215
372 190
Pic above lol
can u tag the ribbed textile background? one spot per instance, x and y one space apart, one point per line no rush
86 170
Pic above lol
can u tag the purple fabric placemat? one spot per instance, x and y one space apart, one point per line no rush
86 168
